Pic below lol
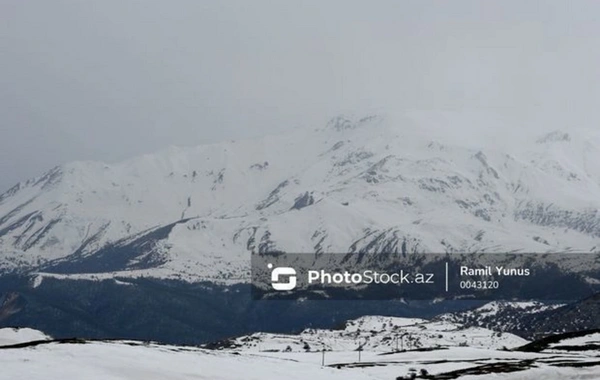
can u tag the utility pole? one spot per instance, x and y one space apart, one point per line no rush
401 337
323 358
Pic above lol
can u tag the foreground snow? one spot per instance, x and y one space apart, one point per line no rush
10 336
112 361
120 360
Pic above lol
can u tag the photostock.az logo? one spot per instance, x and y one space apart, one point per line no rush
278 272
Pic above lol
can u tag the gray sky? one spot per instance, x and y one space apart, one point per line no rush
111 79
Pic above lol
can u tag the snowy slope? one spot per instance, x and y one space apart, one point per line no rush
499 315
377 334
134 360
111 361
10 336
374 184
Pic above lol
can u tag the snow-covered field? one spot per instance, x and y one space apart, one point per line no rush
120 360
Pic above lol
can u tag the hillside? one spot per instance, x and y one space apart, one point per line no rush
371 184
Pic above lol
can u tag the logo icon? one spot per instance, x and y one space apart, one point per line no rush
278 272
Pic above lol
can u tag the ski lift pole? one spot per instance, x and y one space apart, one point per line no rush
402 341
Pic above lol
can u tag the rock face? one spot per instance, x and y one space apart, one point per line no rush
303 200
352 186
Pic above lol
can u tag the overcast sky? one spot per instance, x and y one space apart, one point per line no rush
110 79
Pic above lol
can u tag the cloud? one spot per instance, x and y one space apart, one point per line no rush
112 79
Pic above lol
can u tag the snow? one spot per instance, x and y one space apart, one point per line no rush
10 336
380 334
120 360
593 338
136 360
113 361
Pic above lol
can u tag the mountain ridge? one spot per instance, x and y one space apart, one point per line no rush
364 184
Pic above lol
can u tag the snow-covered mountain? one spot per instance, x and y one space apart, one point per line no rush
415 183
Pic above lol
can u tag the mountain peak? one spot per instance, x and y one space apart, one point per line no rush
343 123
555 136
